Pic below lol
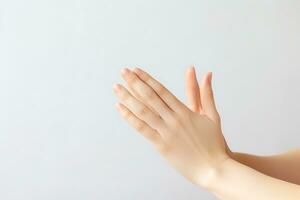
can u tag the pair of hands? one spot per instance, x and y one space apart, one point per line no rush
189 136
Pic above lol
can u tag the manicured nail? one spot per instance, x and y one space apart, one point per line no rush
125 71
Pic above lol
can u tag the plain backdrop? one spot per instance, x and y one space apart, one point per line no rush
60 134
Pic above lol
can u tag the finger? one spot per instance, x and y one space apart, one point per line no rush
139 125
138 108
147 94
207 98
138 97
193 90
161 90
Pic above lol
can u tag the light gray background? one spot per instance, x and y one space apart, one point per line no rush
60 135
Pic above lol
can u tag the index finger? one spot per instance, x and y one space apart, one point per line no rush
175 104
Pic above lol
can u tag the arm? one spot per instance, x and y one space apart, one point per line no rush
284 166
193 143
235 181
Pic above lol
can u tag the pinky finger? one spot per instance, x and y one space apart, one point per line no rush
139 125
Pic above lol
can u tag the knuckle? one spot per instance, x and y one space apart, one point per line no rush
132 80
125 95
140 127
158 122
149 94
126 114
145 77
142 111
161 90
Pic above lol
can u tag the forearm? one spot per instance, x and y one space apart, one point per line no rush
235 181
285 166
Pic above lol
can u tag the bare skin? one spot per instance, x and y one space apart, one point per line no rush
192 141
285 166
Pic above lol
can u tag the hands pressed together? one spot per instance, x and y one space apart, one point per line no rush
188 137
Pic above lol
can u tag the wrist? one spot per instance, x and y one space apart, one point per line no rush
219 182
228 175
217 175
213 174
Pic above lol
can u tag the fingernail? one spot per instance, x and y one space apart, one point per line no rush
192 67
125 71
118 106
137 70
116 87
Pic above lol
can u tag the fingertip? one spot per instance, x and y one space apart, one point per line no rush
116 87
207 77
210 76
125 71
118 106
138 70
191 68
190 72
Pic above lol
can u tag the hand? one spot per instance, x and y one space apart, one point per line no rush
189 140
201 98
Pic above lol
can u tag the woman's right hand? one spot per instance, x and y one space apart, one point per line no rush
191 142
